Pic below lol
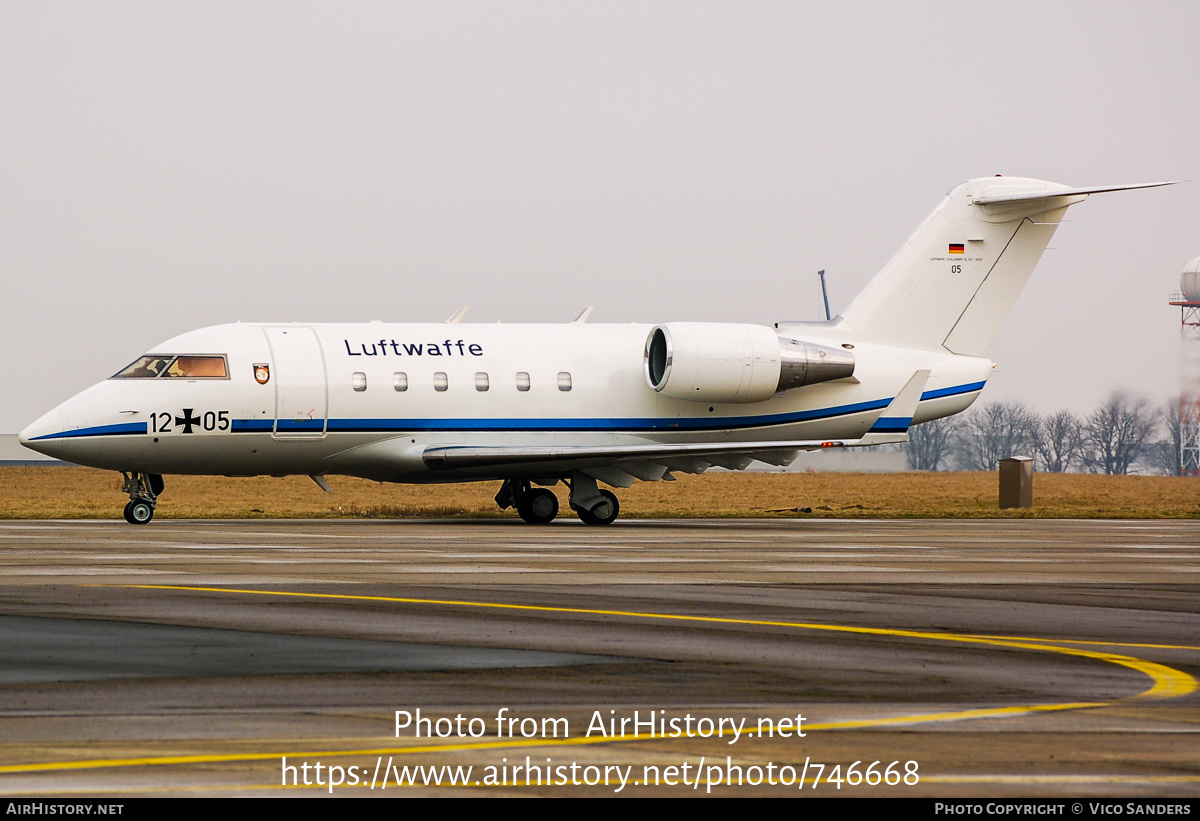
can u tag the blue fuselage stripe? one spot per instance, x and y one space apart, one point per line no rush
599 424
253 425
628 424
954 391
98 430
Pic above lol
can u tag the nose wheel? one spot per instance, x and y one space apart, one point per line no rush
143 490
138 513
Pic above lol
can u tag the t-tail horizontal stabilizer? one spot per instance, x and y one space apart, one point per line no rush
893 424
1027 196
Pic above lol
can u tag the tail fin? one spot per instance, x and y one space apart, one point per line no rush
955 280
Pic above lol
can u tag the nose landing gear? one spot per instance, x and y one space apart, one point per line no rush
143 490
139 512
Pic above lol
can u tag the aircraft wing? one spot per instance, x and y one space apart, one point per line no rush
619 465
460 457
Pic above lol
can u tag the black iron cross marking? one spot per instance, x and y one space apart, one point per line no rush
187 420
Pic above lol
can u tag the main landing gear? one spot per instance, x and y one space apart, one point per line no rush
537 506
594 506
143 490
540 506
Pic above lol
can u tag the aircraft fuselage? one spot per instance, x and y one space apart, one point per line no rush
331 389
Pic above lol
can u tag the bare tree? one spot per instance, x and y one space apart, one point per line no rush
1058 440
1118 434
929 443
996 431
1166 454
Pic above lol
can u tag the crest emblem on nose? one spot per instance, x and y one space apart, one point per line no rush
262 373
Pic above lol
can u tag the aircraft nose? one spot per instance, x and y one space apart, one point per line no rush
41 435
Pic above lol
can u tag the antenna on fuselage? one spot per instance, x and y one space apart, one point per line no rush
583 316
457 316
824 293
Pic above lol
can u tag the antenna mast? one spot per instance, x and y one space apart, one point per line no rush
824 293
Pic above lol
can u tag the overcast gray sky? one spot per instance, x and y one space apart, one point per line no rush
165 166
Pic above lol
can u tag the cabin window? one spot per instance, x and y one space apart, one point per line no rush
481 381
358 381
400 381
522 381
564 381
440 382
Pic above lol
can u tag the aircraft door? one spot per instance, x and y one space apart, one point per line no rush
301 395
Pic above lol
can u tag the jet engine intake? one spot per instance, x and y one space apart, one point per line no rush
711 362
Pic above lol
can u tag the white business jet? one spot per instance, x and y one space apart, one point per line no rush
533 405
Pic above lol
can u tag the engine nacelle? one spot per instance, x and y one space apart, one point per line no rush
711 362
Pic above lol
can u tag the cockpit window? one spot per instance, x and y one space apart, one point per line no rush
146 367
152 366
198 367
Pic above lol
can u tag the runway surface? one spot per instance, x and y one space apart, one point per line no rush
968 658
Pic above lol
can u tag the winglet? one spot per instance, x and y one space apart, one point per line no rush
892 425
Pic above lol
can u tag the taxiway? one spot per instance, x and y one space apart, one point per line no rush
1005 658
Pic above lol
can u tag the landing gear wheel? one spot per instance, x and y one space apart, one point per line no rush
143 490
538 506
139 512
602 513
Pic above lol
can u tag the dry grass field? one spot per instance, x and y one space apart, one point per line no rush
83 493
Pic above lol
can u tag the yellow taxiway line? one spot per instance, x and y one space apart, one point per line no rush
1166 682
